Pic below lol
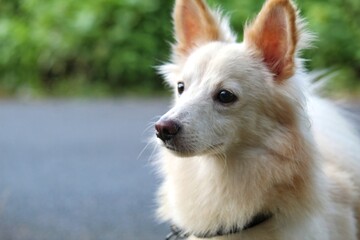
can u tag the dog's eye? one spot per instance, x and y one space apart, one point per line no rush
226 97
181 87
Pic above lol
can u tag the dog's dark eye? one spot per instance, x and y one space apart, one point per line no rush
181 87
226 97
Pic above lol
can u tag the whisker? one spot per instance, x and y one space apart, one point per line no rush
150 126
155 146
143 150
156 117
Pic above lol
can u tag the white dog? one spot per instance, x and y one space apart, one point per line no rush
248 152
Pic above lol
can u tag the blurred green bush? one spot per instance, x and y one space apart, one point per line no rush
101 47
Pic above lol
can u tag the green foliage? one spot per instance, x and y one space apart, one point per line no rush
337 25
114 43
97 47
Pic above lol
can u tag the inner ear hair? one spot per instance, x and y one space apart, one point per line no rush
274 35
194 24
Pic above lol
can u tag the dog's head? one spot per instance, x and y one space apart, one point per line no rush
228 94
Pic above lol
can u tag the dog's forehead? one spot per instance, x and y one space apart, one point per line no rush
215 60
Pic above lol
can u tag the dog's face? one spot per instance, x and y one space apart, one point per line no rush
213 91
224 91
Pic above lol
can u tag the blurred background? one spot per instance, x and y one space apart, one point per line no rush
110 47
78 97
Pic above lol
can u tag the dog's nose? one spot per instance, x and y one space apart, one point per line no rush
166 129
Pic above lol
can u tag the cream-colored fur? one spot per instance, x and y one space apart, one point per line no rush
277 147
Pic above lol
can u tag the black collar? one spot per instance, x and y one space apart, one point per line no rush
179 234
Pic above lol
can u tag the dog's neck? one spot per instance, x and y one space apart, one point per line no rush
258 219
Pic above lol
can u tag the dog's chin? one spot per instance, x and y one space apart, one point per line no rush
189 151
181 152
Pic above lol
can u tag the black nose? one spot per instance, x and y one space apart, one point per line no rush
166 129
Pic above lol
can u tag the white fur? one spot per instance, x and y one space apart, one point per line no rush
278 148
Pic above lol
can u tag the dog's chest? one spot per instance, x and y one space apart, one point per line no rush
204 194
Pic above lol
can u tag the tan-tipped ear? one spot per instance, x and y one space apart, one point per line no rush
274 35
194 25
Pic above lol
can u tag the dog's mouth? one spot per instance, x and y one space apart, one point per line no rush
191 150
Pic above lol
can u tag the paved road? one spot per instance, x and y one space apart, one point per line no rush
69 170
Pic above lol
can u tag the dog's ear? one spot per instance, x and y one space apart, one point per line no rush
195 24
274 36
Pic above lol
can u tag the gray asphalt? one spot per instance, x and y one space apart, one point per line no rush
71 170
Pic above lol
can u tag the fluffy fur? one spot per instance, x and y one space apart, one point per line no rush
278 147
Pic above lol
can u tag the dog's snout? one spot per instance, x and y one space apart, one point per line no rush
166 129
